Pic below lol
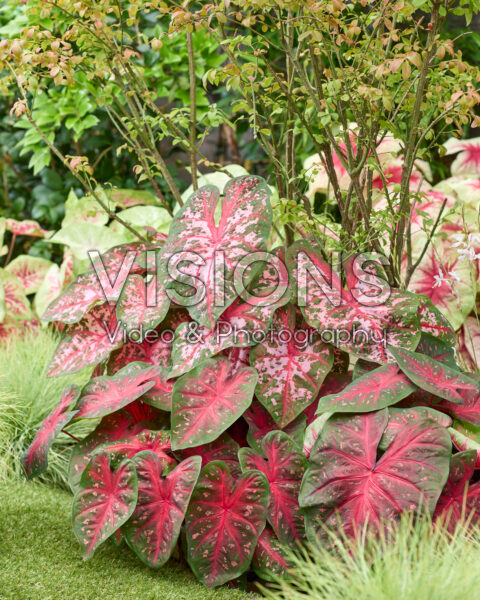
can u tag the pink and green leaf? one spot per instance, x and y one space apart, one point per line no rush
378 389
35 458
290 372
271 558
208 400
153 529
283 465
104 502
223 523
30 270
224 448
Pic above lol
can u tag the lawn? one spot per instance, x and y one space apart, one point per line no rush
41 560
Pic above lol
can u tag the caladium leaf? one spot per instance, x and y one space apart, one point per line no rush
270 559
160 394
133 419
466 437
242 228
104 395
365 330
136 310
223 522
153 529
283 467
157 442
95 286
290 368
398 418
260 423
88 342
433 376
35 458
381 387
362 367
312 433
208 400
435 348
105 501
346 486
434 323
224 448
31 228
459 500
14 299
30 270
243 324
468 410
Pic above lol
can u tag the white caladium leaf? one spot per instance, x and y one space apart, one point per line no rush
291 366
468 160
30 270
207 239
83 210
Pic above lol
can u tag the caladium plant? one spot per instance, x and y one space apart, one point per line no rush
257 417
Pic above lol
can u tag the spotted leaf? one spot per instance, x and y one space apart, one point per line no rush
223 523
271 558
153 529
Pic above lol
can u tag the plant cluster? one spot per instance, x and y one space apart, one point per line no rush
239 447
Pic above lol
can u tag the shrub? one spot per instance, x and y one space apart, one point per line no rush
27 395
229 426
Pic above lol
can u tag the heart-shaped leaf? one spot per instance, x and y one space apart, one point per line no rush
241 228
105 501
88 342
380 388
224 448
104 395
153 529
223 523
367 330
433 376
460 500
283 467
136 310
346 487
291 367
35 458
208 400
270 560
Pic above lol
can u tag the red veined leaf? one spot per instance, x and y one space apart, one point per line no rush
14 299
270 559
466 437
398 418
104 395
291 367
125 423
223 522
31 228
157 442
367 331
468 410
380 388
136 310
35 458
105 501
260 423
346 487
460 500
224 448
88 342
208 400
160 394
434 323
238 358
30 270
242 324
334 383
433 376
312 433
435 348
91 288
242 229
283 467
153 529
